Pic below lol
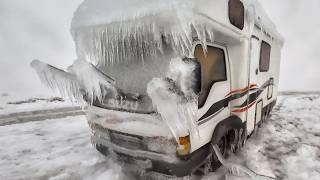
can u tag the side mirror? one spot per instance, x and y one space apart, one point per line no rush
196 74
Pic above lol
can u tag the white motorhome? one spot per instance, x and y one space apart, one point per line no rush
236 51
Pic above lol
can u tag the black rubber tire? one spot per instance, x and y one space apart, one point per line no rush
222 144
244 137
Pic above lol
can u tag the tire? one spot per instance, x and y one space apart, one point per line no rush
244 137
256 129
213 162
241 140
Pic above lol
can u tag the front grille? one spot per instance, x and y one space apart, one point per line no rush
121 139
127 141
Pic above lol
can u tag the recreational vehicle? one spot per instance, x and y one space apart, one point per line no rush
228 55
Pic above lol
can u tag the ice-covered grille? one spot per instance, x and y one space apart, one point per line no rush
121 139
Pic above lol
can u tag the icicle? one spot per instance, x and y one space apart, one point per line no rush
119 38
82 80
57 79
96 84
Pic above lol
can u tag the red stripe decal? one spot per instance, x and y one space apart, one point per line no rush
245 108
242 90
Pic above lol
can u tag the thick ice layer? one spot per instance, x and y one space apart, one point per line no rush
95 84
133 76
234 168
130 123
57 79
108 32
82 81
174 98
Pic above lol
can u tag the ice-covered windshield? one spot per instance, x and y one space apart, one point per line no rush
136 74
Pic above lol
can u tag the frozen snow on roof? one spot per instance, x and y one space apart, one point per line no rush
98 12
102 29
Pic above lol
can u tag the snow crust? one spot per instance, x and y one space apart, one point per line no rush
57 149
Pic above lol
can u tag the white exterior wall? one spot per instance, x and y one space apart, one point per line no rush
238 46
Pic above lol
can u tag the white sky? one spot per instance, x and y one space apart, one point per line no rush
38 29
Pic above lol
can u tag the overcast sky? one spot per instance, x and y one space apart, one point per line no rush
38 29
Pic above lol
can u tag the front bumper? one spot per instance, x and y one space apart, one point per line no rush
149 161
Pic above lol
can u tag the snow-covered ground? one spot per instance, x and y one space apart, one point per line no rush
16 103
52 149
288 144
286 147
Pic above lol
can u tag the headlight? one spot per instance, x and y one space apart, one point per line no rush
184 146
160 145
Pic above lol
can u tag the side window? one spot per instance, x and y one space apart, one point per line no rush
236 13
265 53
213 69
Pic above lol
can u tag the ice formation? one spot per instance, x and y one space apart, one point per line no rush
82 80
236 169
115 38
174 97
57 79
108 32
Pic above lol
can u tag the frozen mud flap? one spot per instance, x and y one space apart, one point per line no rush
151 163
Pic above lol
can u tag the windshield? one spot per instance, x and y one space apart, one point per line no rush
133 70
132 76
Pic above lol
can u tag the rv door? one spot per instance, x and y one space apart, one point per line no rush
254 113
215 83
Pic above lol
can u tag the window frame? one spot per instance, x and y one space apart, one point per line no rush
241 27
226 64
262 69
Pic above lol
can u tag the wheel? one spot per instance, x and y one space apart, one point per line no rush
266 116
213 162
255 130
244 138
241 140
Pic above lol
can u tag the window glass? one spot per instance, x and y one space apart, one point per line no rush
213 69
265 56
236 13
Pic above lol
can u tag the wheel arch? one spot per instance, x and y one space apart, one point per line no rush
230 125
